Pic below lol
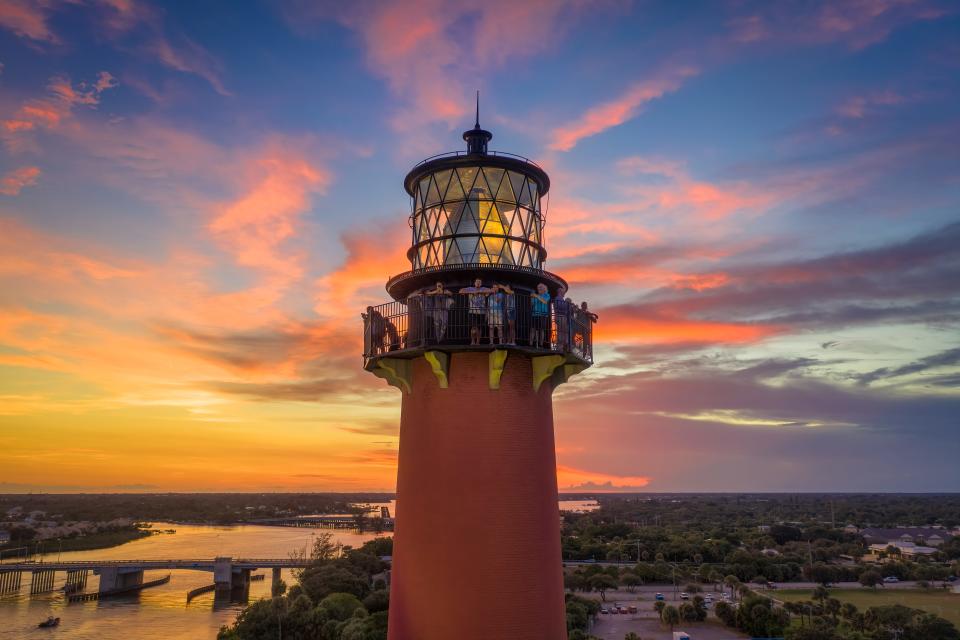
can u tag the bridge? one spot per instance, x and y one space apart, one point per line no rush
340 521
118 576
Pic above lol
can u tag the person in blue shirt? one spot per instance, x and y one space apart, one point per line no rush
540 327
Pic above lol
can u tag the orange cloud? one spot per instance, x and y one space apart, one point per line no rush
572 479
255 226
13 182
370 260
626 107
620 325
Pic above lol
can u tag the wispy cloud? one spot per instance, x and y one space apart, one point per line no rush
432 53
27 18
615 112
12 183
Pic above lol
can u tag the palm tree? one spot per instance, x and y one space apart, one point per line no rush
733 582
671 616
658 606
832 606
821 593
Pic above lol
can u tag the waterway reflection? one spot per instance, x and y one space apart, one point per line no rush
161 612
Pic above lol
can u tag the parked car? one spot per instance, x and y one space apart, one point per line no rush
951 578
604 611
890 579
660 596
633 608
684 596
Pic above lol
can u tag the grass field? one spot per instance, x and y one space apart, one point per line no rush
944 604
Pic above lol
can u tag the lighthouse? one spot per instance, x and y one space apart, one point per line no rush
477 337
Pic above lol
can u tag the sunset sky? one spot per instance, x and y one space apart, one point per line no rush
761 200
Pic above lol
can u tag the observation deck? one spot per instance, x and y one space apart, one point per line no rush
408 328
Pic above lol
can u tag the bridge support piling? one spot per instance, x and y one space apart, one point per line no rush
114 578
76 580
223 573
10 581
42 580
276 579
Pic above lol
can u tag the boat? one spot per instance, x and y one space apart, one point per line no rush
49 622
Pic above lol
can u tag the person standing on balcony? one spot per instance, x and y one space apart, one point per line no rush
477 309
495 307
540 328
438 303
510 313
561 311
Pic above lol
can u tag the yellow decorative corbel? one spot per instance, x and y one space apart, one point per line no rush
440 363
543 368
498 358
396 371
564 373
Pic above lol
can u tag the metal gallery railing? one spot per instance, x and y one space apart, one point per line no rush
477 319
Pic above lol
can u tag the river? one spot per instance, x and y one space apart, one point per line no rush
159 612
162 613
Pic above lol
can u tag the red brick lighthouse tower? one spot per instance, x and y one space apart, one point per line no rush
477 538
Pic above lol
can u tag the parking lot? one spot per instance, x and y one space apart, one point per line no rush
646 622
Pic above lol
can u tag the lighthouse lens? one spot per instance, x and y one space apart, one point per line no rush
477 215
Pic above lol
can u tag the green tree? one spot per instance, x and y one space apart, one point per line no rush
340 606
732 582
671 616
631 581
821 593
602 583
848 610
658 607
378 600
320 581
631 636
726 613
871 578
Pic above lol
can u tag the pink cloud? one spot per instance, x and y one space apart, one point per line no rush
432 53
858 106
254 226
857 23
13 182
27 18
615 112
188 57
64 97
